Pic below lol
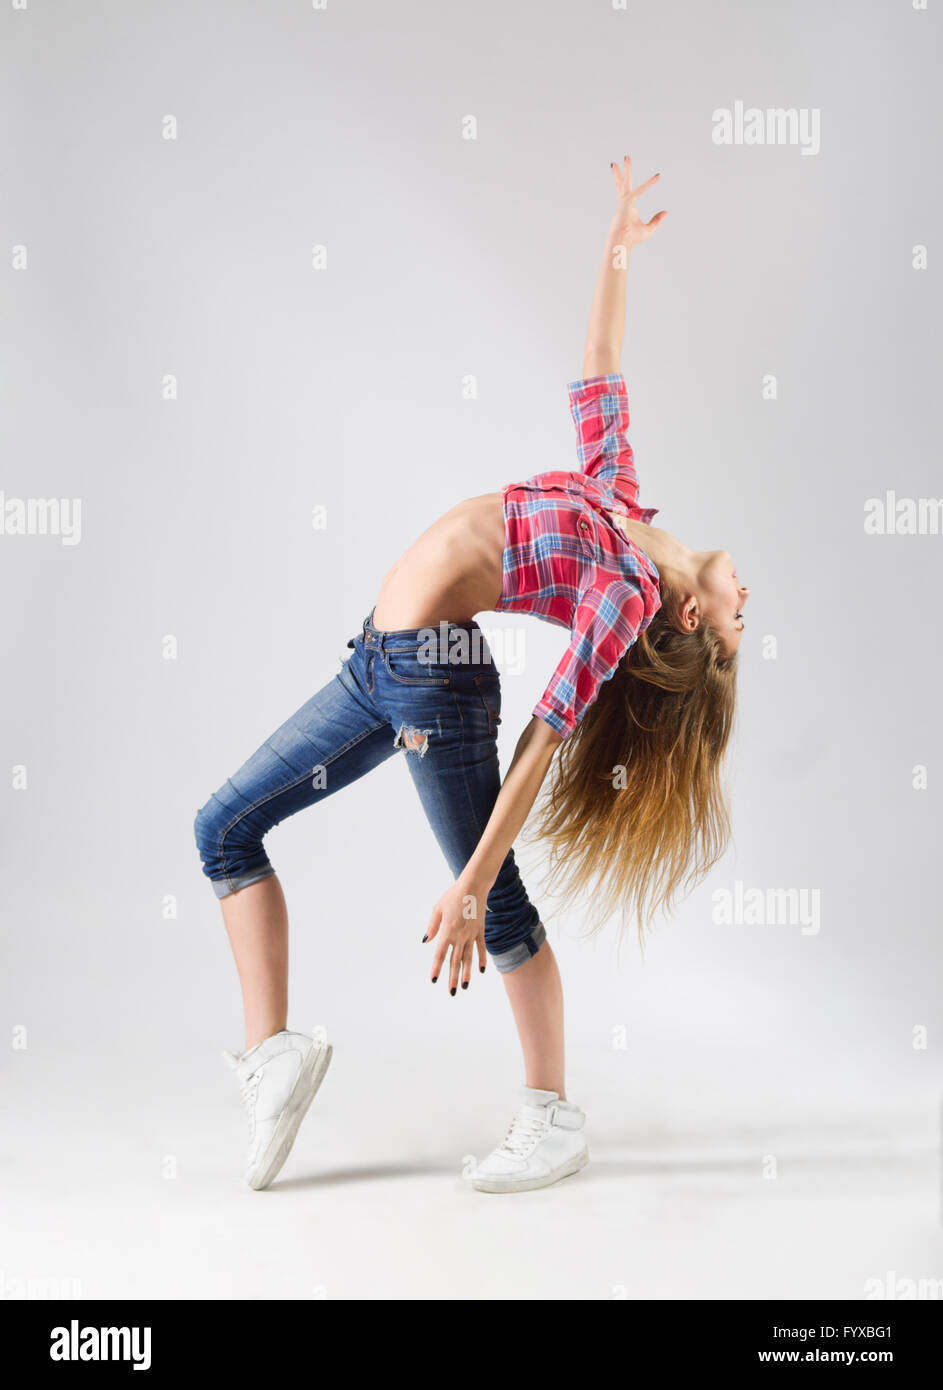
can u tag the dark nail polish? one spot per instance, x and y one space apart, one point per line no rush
452 990
434 978
482 969
424 939
464 984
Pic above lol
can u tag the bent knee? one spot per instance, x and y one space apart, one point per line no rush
209 824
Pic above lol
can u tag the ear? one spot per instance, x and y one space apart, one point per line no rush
688 615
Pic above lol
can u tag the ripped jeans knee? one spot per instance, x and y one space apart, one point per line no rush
413 740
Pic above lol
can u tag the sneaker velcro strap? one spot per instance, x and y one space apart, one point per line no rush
565 1119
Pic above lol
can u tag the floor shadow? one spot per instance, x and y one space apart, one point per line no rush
639 1166
673 1165
376 1172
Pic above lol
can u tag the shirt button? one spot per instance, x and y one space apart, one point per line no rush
582 525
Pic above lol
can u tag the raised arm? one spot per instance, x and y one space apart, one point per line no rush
606 331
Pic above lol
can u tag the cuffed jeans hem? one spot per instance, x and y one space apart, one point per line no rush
223 887
522 952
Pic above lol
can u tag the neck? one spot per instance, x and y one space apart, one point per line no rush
676 563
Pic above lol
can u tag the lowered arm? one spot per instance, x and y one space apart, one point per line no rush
458 918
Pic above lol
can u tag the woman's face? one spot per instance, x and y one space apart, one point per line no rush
722 597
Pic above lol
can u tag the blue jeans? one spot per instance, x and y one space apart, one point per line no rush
441 708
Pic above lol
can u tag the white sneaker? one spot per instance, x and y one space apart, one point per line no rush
545 1142
279 1079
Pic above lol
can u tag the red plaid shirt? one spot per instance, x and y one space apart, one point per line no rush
567 562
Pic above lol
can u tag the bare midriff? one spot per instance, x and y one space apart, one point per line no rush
453 571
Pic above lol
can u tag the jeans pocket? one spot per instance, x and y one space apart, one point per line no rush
406 668
489 690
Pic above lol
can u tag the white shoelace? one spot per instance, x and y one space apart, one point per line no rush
524 1134
248 1092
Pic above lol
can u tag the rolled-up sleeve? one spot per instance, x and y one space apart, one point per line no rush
605 624
600 409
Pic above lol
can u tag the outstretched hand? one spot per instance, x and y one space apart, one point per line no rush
627 223
457 925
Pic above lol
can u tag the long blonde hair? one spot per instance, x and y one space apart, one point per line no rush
635 811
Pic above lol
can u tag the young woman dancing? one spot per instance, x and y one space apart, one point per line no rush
635 721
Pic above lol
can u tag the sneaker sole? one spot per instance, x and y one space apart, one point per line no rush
312 1073
531 1184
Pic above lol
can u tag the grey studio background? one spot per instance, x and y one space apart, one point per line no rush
763 1100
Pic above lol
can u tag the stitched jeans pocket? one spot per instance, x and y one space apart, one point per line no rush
489 689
